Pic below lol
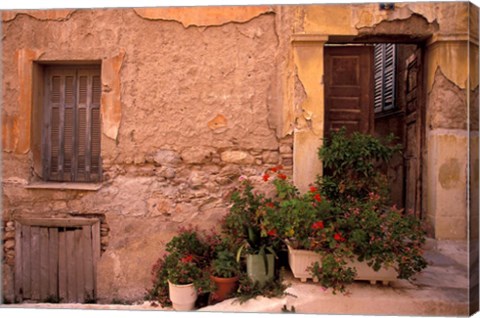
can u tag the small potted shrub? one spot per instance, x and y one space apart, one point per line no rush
183 281
185 267
225 272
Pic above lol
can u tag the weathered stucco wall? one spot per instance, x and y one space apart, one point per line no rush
185 112
194 98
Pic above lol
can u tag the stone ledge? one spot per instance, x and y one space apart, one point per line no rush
64 186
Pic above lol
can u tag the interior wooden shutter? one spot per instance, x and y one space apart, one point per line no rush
378 77
55 103
88 132
83 102
384 57
68 129
60 119
389 77
95 129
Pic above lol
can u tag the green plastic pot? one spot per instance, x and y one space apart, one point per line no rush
256 269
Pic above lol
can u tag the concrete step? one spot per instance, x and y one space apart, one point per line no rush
441 289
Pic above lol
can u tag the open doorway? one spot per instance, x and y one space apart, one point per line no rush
377 88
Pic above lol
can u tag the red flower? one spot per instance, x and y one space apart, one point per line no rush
265 177
338 237
317 225
187 259
282 176
317 197
270 205
272 232
274 169
313 189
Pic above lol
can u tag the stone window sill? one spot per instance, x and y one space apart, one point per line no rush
64 186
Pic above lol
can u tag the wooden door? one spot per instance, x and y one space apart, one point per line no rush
348 88
55 260
413 134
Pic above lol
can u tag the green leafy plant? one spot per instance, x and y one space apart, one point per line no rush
333 273
296 217
345 216
244 222
187 260
352 165
225 265
249 289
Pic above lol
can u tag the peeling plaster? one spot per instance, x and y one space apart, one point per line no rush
41 15
204 16
413 28
24 59
111 107
452 58
446 104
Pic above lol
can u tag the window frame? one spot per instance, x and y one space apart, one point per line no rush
90 70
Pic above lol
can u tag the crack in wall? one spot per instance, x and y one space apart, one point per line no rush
37 15
186 21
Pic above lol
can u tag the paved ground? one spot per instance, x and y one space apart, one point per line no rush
440 290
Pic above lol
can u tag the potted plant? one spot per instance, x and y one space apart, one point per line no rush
244 226
182 279
343 225
184 267
225 272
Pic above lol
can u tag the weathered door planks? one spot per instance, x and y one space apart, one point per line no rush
56 260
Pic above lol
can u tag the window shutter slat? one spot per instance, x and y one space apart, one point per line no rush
68 156
82 95
96 90
95 148
54 140
69 91
81 142
55 92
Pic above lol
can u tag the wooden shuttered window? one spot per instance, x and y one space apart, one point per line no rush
72 124
384 70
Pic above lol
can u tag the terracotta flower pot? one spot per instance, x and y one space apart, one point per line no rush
183 297
225 287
